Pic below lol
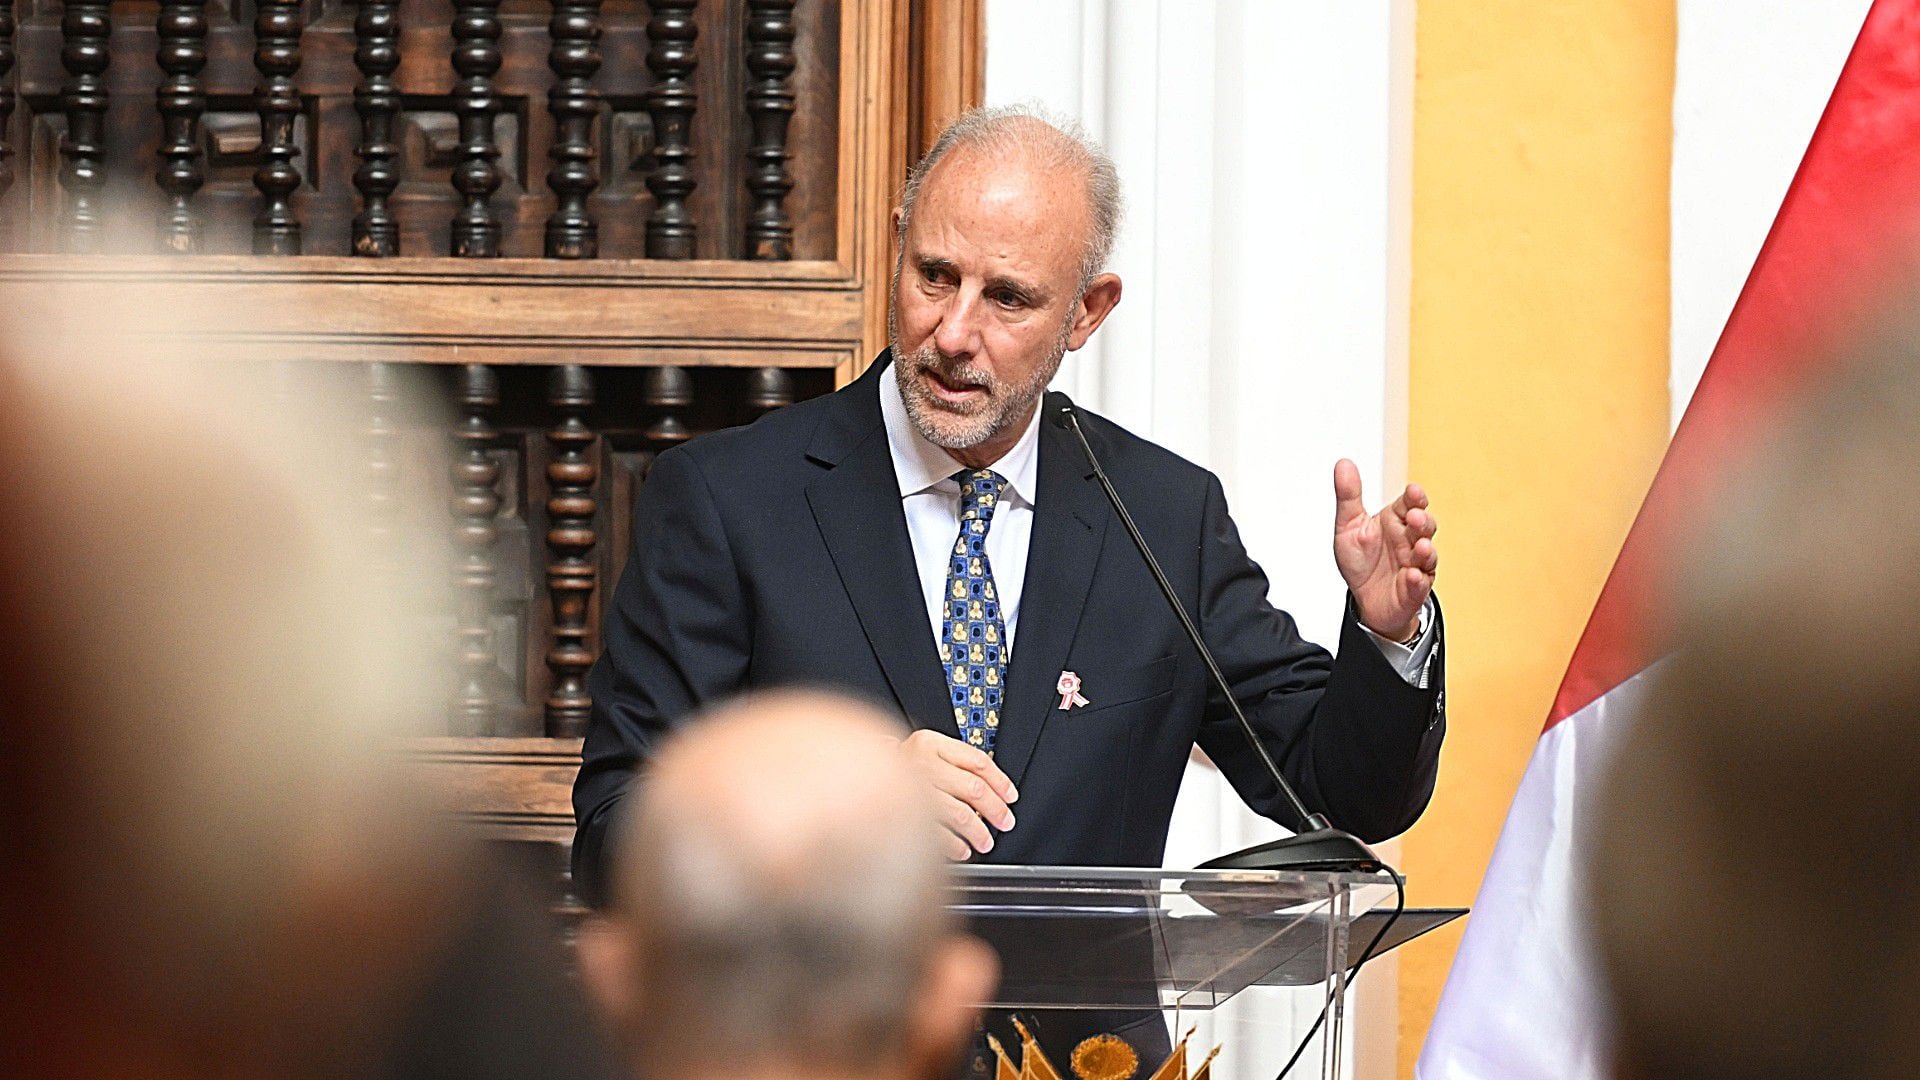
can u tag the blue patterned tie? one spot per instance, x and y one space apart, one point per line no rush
972 635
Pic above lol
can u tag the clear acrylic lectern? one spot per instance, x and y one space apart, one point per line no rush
1128 939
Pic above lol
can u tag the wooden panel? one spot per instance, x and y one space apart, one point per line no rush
514 789
947 66
844 160
344 136
507 83
429 310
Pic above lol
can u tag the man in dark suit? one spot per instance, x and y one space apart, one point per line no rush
929 537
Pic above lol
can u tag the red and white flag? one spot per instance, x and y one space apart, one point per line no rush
1520 1002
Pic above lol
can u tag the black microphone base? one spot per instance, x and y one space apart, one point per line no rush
1323 850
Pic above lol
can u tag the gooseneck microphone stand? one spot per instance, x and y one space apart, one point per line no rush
1316 845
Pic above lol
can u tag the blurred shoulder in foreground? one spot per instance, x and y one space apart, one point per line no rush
1754 866
219 864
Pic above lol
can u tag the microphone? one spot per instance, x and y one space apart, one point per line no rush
1316 845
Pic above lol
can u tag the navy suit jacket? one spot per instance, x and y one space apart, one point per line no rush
777 554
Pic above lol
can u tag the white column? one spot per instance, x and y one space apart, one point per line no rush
1264 149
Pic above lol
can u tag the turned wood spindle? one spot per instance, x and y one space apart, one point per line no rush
570 537
671 34
770 99
476 501
668 390
6 94
476 59
84 28
769 388
575 104
276 55
376 52
182 28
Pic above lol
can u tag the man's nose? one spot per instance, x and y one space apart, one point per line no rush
958 334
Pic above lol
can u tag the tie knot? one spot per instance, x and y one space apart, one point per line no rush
979 493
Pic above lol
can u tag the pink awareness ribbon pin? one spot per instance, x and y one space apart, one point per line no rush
1069 688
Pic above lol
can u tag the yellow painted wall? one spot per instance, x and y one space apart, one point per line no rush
1537 379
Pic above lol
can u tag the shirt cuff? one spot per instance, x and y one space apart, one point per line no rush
1411 661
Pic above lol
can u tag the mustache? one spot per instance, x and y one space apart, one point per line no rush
950 373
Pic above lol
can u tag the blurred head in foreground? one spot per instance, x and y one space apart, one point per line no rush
780 906
1754 881
215 862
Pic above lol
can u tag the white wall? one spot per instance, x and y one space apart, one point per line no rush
1264 148
1751 78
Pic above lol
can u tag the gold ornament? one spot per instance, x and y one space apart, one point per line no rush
1104 1057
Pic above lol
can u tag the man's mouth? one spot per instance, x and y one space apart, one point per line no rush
948 391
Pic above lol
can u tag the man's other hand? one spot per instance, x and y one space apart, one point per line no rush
1388 560
969 790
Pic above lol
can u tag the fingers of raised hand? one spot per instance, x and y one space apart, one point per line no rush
1413 498
1415 585
1422 523
1347 504
1426 557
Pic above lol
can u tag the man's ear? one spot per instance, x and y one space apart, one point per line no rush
898 215
607 958
961 975
1102 296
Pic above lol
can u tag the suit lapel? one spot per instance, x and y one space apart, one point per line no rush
1069 525
856 505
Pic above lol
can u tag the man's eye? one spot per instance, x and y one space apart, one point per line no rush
931 274
1007 299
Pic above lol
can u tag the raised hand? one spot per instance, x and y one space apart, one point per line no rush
1388 559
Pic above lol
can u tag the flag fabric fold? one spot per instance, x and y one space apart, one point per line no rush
1520 1002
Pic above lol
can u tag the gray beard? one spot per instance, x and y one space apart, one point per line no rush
1005 404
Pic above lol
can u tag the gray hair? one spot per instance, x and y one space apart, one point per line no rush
811 951
1030 128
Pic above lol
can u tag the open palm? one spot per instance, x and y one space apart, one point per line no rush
1388 559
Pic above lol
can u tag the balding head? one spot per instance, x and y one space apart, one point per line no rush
827 763
781 895
1018 137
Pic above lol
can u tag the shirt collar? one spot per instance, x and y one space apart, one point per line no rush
921 466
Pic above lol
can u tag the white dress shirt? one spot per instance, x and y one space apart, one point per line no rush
931 500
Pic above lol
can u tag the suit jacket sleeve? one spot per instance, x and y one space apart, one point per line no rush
1358 743
674 636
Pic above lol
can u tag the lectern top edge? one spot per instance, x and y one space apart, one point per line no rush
970 873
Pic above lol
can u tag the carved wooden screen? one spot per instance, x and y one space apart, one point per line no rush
595 227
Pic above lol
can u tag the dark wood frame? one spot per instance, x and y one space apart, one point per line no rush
906 67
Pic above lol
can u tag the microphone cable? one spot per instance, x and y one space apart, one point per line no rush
1399 907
